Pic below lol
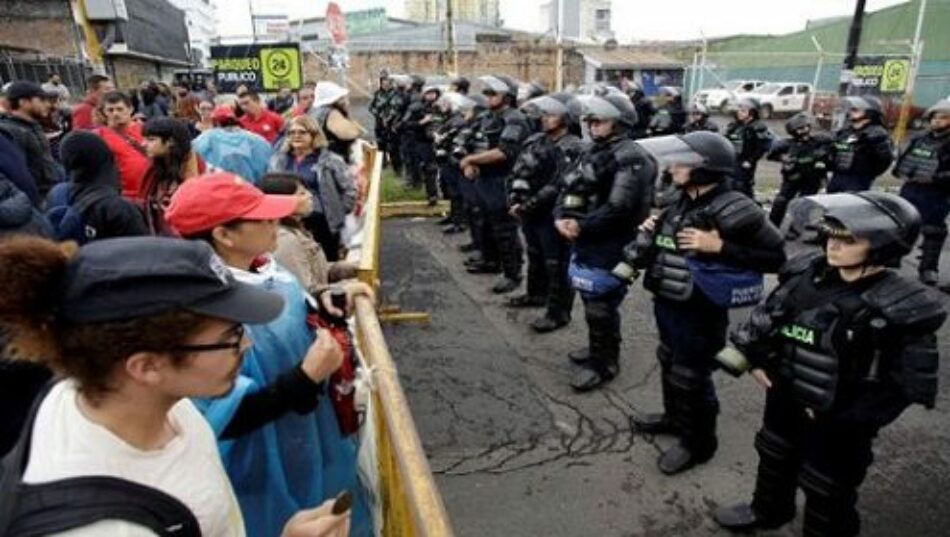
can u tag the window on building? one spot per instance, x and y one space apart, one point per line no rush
602 20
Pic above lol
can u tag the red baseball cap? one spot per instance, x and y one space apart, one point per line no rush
213 199
222 113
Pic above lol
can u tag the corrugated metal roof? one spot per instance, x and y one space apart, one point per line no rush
628 58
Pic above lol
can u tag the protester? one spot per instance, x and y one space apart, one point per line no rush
29 105
205 121
331 110
305 99
168 144
13 166
85 112
133 327
282 102
93 192
259 119
18 215
54 85
296 250
123 135
186 109
230 148
281 445
305 152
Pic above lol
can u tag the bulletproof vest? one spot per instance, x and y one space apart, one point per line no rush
669 276
846 147
921 160
587 184
662 121
535 157
809 359
736 134
491 127
805 159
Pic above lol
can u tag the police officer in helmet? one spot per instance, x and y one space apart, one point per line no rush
703 255
543 159
925 168
863 148
806 158
378 107
843 346
460 85
752 139
506 129
698 120
643 105
603 199
669 116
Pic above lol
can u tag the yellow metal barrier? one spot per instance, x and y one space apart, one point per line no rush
410 501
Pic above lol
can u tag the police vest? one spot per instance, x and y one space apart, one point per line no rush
736 135
805 160
921 160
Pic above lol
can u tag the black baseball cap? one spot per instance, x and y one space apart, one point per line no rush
24 89
135 277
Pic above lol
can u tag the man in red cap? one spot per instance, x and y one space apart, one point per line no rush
264 429
230 148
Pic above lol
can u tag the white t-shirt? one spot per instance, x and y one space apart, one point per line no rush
66 444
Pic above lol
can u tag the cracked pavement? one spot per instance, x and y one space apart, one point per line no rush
517 453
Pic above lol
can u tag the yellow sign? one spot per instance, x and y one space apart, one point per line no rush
280 67
895 75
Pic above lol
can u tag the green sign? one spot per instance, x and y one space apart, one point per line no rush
260 67
879 75
365 21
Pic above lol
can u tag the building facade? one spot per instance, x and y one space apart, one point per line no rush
584 21
485 12
201 20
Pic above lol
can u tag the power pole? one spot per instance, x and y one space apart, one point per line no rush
559 56
851 52
250 9
901 131
450 39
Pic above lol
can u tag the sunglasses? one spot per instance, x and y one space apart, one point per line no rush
236 331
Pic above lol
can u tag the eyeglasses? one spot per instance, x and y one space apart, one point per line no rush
298 132
236 331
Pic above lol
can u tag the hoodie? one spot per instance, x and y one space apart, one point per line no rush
94 187
17 213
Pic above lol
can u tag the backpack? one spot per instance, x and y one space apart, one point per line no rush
32 510
67 219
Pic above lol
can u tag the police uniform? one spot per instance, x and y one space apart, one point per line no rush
845 359
861 153
925 168
541 163
608 193
450 177
392 117
692 322
378 107
806 160
752 140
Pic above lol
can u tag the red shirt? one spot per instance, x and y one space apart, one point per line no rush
83 114
131 162
268 124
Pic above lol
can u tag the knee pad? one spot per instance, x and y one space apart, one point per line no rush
937 232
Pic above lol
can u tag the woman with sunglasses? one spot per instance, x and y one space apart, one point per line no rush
304 152
277 429
843 346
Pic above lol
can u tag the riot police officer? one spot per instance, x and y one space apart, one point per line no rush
544 157
469 139
452 108
392 119
806 158
699 120
702 255
408 128
863 149
843 347
505 129
415 121
528 91
460 85
752 139
925 168
378 107
644 107
670 116
603 199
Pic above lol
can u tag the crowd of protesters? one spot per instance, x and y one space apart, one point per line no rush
174 333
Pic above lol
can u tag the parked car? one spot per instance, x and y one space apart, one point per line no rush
718 98
786 98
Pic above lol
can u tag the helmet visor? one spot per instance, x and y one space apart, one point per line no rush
598 109
668 151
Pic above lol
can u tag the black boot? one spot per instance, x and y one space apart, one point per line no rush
659 422
526 300
579 356
485 267
694 417
930 249
603 340
505 285
587 378
560 298
742 518
545 324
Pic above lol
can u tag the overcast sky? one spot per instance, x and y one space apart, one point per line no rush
632 19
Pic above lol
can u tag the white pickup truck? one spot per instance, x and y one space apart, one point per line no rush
719 98
786 98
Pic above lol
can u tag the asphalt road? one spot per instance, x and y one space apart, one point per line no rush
517 453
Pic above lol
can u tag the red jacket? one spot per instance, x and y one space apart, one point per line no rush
84 114
268 124
130 159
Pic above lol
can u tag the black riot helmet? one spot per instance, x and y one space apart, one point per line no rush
889 222
711 156
418 81
546 105
872 107
529 91
942 107
751 104
574 111
500 85
699 110
800 125
461 85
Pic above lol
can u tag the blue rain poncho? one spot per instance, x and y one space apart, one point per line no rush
241 152
298 461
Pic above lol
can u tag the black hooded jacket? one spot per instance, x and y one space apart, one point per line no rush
95 190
